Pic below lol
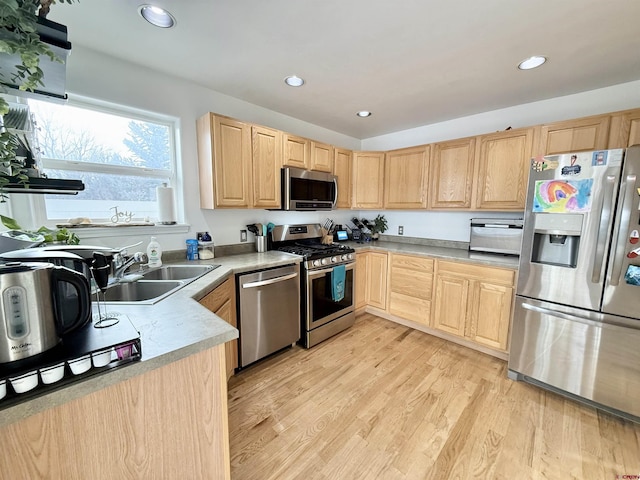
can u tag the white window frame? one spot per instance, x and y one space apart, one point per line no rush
36 203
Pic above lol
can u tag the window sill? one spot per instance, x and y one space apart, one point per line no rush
119 231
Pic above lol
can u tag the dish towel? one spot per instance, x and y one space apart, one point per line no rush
337 283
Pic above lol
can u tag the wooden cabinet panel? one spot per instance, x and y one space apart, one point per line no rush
591 133
266 160
490 314
342 166
451 299
232 167
377 279
222 302
361 280
503 170
321 157
296 151
410 287
625 129
405 178
368 179
451 174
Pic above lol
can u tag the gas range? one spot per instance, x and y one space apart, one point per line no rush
306 241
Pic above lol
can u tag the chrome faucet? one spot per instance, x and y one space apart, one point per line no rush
122 262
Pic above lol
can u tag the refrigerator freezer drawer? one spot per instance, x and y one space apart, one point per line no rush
591 355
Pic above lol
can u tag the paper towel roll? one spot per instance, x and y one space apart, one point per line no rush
166 205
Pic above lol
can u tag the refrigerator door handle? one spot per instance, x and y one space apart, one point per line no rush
605 220
627 195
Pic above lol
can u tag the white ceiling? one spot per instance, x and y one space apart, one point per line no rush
411 62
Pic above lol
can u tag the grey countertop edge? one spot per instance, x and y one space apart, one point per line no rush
448 253
158 325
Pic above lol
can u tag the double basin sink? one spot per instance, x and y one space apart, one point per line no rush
156 284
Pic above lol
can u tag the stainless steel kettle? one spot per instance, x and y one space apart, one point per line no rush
31 317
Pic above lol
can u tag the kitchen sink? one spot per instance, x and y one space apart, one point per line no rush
145 292
178 272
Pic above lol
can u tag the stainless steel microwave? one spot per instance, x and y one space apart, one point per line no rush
303 190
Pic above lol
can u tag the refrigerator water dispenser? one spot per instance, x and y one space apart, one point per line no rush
556 239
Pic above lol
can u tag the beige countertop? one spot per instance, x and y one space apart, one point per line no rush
448 253
173 328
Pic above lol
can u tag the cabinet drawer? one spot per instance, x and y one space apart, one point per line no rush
216 298
410 308
411 283
471 271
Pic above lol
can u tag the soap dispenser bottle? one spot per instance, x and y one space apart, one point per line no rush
154 253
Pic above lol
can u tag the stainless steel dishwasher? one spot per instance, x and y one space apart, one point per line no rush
269 311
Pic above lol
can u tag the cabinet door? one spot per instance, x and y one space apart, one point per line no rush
490 314
321 157
296 151
451 298
361 280
267 160
232 163
503 170
230 348
625 129
342 166
591 133
368 179
451 174
377 279
405 178
410 286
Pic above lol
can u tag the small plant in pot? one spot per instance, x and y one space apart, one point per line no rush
378 225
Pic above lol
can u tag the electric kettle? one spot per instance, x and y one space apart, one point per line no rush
31 316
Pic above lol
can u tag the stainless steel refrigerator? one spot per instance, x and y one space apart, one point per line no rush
576 323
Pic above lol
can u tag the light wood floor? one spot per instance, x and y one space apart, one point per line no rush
383 401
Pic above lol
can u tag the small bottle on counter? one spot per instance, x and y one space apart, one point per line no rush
154 253
192 249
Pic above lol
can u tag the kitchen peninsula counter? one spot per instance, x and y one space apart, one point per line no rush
171 329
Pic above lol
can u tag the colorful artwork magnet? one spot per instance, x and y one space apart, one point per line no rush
562 196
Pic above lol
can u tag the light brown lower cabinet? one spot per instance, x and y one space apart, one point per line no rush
371 279
410 286
474 302
170 422
222 302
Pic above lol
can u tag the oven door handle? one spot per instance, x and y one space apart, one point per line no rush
270 281
318 273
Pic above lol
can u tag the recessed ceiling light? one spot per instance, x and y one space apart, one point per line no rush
157 16
363 114
294 81
532 62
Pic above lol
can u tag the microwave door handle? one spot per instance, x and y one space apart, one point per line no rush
627 194
605 220
335 192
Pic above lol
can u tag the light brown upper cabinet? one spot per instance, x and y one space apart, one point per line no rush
583 134
368 180
625 129
321 157
405 177
224 161
503 169
342 165
451 174
297 151
267 160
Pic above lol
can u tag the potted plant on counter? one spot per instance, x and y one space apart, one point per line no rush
377 226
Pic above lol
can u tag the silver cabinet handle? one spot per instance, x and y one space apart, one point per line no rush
605 220
626 192
270 281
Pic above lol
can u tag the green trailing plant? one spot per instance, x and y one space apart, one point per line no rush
19 36
61 235
379 224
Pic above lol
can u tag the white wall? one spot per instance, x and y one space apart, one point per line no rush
94 75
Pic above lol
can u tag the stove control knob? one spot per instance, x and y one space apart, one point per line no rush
350 256
344 257
316 263
324 261
335 259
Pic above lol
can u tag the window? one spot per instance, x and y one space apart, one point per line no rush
120 156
